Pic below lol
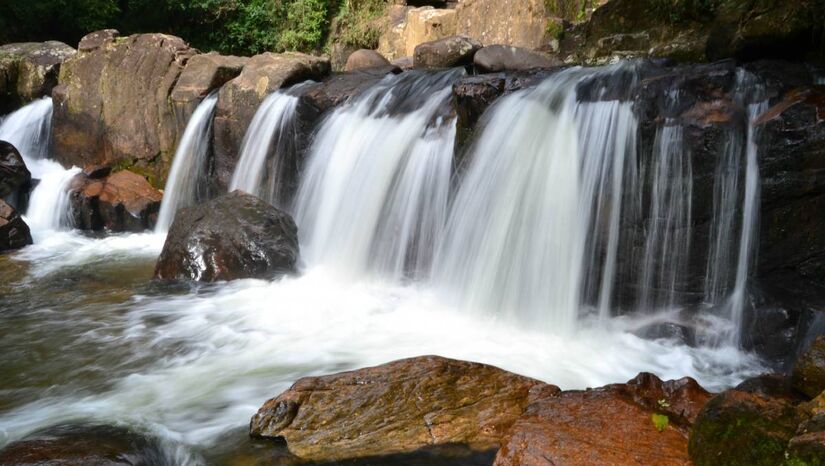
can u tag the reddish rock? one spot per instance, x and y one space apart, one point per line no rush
399 407
14 233
122 201
609 425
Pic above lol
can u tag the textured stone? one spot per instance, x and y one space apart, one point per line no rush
364 59
445 53
122 201
521 23
14 233
29 71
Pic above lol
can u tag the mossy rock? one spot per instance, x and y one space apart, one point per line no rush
809 372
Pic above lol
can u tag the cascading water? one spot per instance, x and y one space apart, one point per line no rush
272 131
186 178
374 194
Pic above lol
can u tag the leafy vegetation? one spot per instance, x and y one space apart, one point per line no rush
660 421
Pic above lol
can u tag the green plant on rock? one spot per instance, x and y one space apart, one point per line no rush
357 23
660 421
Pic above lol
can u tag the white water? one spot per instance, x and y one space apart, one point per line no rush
185 177
273 126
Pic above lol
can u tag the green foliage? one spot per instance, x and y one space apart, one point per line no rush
660 421
357 25
683 11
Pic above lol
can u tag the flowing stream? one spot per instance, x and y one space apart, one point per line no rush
517 260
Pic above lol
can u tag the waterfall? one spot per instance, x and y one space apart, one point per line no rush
374 193
272 131
49 207
187 175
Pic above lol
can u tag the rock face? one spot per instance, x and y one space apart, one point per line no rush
364 59
29 71
521 23
503 57
13 172
398 407
239 99
233 236
112 104
809 373
77 445
445 53
14 233
410 27
122 201
610 425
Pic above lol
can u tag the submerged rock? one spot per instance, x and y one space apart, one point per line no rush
14 233
445 53
14 175
399 407
82 445
29 71
233 236
645 421
364 59
809 372
122 201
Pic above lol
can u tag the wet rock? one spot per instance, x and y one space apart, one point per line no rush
233 236
29 71
742 428
97 171
670 331
809 372
239 98
399 407
503 57
445 53
609 425
520 23
112 104
14 233
81 445
122 201
14 175
363 58
771 386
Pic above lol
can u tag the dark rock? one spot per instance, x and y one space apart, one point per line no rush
670 331
363 59
14 233
771 386
741 428
400 407
494 58
405 63
29 71
112 104
14 175
445 53
81 445
97 171
233 236
809 372
122 201
239 98
609 425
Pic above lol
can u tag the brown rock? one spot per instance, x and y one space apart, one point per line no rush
97 171
609 425
503 57
363 59
97 39
809 372
122 201
521 23
445 53
14 233
239 99
14 174
410 27
112 104
402 406
29 71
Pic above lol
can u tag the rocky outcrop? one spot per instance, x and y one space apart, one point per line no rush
239 98
809 372
29 71
409 27
122 201
233 236
445 53
14 233
645 421
502 57
521 23
112 103
79 445
14 175
365 59
201 75
402 406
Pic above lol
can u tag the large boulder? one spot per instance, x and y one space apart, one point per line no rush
445 53
239 98
13 172
503 57
399 407
809 372
14 233
233 236
112 103
645 421
81 445
409 27
122 201
521 23
29 71
365 59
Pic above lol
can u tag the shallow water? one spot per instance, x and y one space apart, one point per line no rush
89 336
